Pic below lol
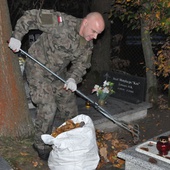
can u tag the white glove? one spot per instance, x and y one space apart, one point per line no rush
14 44
70 84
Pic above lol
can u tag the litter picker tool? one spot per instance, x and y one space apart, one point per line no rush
133 129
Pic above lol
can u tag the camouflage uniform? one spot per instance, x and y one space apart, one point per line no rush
59 45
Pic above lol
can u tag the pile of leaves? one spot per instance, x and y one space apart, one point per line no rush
69 125
109 145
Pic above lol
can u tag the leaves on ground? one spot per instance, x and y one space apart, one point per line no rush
109 145
20 154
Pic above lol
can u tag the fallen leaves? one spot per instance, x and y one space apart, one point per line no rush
162 102
109 146
35 163
24 153
69 125
103 153
20 155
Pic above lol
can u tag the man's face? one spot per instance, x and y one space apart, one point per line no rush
91 29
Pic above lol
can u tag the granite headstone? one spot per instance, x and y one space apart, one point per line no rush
127 87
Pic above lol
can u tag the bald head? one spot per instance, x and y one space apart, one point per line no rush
92 25
98 18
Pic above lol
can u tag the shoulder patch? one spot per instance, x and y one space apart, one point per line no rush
47 19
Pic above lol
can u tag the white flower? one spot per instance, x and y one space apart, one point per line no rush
105 83
105 90
96 88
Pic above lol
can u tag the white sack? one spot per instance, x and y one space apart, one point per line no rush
75 149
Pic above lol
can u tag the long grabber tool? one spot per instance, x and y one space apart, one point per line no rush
133 129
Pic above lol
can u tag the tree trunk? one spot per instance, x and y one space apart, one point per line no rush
151 93
169 94
15 120
101 52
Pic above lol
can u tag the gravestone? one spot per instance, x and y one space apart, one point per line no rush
127 87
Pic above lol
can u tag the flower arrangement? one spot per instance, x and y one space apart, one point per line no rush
104 91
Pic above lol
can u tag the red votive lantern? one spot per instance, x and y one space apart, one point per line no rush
163 145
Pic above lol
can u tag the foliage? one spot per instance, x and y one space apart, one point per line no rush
162 61
156 12
104 91
157 15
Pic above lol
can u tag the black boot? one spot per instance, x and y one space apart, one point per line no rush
42 153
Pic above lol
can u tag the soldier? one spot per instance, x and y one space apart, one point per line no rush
65 47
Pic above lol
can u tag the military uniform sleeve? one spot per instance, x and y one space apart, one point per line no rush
44 20
80 65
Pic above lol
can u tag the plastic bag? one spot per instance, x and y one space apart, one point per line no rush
75 149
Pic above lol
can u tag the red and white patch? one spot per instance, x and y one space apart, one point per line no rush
59 19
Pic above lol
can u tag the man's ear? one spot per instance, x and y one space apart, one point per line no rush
85 22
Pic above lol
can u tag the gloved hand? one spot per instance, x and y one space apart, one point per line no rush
14 44
70 84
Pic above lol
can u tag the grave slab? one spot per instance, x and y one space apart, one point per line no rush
117 108
135 160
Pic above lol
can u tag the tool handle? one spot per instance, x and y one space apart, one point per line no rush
23 52
96 106
100 109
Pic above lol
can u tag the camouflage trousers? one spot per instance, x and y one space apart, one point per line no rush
51 99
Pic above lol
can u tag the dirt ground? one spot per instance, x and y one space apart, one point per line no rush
21 156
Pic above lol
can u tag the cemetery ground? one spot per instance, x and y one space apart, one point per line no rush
21 156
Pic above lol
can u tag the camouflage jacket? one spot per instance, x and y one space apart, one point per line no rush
60 40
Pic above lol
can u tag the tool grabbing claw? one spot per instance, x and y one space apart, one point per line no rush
135 132
133 129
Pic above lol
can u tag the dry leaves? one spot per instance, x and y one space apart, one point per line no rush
109 146
35 163
69 125
162 102
24 153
